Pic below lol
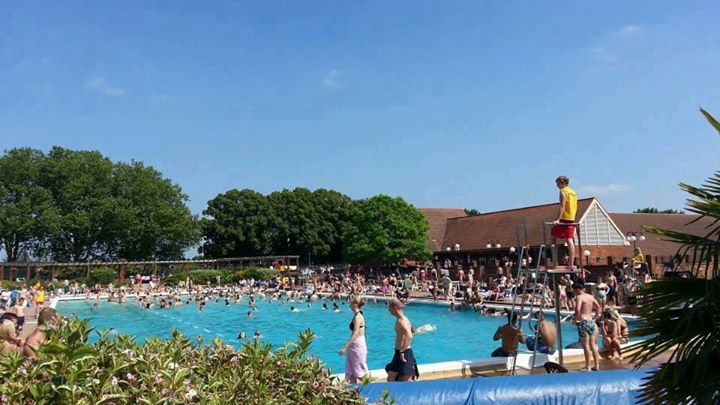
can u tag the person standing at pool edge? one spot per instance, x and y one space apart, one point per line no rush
403 366
356 348
585 304
566 215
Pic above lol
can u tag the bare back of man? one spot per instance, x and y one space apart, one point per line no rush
585 304
548 332
36 338
510 334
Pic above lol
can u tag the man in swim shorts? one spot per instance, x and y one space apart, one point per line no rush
510 335
566 215
546 335
585 304
403 366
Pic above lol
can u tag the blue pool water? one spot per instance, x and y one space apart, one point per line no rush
460 335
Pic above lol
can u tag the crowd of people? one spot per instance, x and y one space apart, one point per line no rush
329 288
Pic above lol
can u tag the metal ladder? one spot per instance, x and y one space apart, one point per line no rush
526 272
546 271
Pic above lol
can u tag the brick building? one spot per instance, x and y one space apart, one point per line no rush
489 238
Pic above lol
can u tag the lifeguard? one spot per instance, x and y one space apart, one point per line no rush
563 228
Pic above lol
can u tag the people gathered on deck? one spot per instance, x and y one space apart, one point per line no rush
477 291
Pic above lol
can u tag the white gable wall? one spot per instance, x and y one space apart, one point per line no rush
596 228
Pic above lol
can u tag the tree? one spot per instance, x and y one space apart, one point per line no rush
150 219
80 206
27 214
681 315
298 221
384 230
471 211
80 183
651 210
334 208
238 223
310 222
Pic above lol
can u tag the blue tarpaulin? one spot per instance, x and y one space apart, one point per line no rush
601 387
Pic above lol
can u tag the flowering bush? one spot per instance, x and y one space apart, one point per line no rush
117 370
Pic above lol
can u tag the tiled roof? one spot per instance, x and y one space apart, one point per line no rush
653 244
437 217
474 232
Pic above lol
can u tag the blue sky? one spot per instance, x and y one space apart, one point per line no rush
477 104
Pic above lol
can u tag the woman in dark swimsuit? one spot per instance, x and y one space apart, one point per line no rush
356 348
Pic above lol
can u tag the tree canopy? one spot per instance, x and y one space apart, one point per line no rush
651 210
321 225
385 230
298 222
27 212
70 205
238 223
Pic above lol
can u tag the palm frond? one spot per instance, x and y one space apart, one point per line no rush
682 316
711 120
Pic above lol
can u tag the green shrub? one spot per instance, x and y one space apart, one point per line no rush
258 273
227 276
115 369
70 273
102 275
9 285
197 277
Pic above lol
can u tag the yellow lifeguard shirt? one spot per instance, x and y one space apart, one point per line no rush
570 210
40 296
639 257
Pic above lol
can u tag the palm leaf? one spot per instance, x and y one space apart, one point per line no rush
711 120
682 316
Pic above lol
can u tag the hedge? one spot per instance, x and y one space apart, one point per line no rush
102 275
116 370
197 277
226 276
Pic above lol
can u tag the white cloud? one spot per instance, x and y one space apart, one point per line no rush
332 79
608 189
629 30
100 85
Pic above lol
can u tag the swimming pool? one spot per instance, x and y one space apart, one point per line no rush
460 335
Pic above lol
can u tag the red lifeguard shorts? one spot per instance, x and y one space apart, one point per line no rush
562 231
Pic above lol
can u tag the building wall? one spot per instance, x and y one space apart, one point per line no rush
601 255
597 229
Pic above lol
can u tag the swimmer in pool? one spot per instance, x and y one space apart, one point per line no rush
242 335
293 309
249 314
424 329
257 334
324 306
